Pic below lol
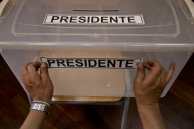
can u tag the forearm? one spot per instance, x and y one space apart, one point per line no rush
34 120
151 117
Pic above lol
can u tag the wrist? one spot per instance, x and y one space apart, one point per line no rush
145 106
43 99
146 101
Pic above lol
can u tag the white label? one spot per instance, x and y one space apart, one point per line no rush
94 19
91 63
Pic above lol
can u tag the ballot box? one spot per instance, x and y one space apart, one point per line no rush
92 46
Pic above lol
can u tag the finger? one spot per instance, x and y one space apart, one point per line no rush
146 65
22 78
163 77
140 73
24 69
29 74
44 71
155 68
33 76
153 63
26 86
33 67
37 65
24 73
170 72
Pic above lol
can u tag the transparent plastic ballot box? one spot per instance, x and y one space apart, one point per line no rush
92 47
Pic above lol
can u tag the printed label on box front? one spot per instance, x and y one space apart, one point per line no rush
91 63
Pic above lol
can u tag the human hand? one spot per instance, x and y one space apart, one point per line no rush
39 86
148 88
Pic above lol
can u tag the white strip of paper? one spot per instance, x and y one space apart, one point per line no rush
94 19
91 63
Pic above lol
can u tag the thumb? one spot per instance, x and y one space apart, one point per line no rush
140 73
44 70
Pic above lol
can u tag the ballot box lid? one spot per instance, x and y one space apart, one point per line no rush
145 25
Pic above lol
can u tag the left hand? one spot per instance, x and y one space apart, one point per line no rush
39 86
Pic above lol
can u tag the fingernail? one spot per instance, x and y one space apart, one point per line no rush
139 64
44 64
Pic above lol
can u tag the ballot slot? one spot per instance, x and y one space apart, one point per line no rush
93 10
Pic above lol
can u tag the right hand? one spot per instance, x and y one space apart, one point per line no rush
148 88
39 86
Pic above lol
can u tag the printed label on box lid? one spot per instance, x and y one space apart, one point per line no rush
94 19
111 63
